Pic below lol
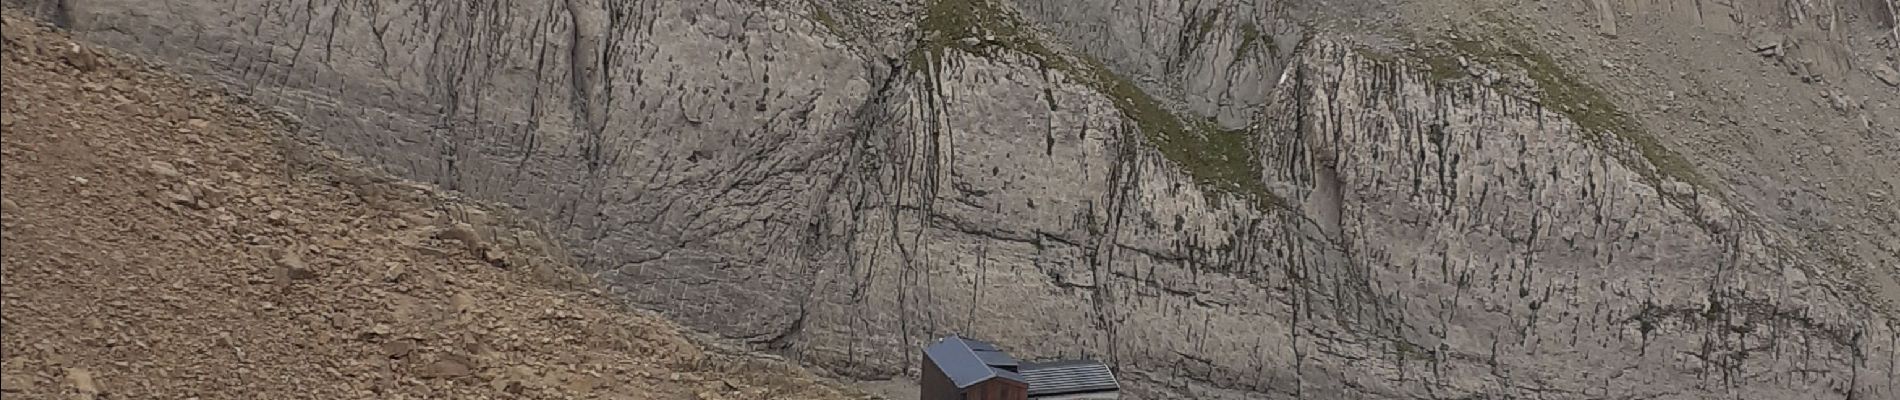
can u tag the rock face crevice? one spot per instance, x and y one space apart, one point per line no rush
747 170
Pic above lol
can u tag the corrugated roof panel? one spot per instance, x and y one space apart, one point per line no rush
1068 377
1058 363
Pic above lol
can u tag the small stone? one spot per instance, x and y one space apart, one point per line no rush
209 198
291 267
1768 45
430 251
415 219
183 199
1679 188
14 383
197 123
462 302
395 272
464 233
582 383
398 348
495 257
450 366
1886 74
300 274
163 169
547 274
82 59
82 381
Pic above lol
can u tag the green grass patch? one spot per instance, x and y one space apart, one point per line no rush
1217 159
823 17
1207 23
947 23
1410 351
1249 37
1558 90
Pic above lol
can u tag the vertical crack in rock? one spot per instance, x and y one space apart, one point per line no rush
1216 201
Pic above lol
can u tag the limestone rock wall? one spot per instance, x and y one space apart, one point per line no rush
760 171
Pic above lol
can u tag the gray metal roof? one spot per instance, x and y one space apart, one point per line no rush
1068 376
997 359
969 361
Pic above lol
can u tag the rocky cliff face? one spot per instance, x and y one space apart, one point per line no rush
1221 202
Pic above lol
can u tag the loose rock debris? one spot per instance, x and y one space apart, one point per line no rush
161 242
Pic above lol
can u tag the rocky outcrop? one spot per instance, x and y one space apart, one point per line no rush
1219 59
162 240
1244 208
662 139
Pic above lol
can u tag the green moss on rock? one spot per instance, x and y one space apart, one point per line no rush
824 18
1558 90
1250 36
1410 351
1217 159
1208 23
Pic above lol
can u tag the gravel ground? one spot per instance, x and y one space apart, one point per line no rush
161 241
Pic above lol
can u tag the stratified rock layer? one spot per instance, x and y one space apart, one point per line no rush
757 171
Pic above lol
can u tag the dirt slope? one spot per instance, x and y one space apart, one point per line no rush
159 242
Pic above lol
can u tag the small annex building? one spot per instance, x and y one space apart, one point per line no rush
960 368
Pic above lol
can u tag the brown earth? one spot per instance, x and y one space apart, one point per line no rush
162 240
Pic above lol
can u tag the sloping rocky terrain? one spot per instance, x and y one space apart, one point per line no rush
1223 199
163 241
